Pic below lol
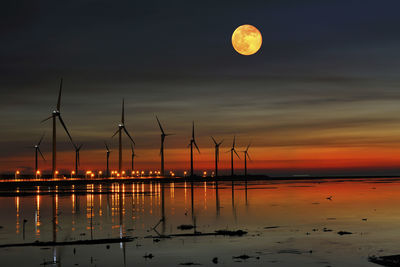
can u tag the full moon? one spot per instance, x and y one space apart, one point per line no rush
246 40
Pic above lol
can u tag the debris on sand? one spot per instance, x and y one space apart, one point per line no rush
230 233
331 219
215 260
326 230
242 257
69 243
189 263
185 227
148 256
329 198
392 260
344 233
271 227
218 232
289 251
365 219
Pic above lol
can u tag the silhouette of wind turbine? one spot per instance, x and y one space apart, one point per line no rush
233 150
121 126
132 156
37 149
192 142
216 155
77 158
108 158
57 114
246 155
163 135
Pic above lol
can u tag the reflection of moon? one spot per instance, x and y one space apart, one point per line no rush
246 40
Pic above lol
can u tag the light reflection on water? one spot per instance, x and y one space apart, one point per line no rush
300 210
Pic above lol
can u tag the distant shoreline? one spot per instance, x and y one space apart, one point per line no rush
23 182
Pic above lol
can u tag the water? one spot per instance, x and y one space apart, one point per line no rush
284 221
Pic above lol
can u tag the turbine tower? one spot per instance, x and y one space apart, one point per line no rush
57 114
77 158
37 149
132 156
192 142
246 155
121 126
163 135
233 150
216 155
108 158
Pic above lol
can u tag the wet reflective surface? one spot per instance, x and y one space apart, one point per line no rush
289 223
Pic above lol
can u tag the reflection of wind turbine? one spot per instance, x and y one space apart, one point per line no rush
77 158
57 114
37 149
132 156
233 150
192 142
163 135
121 126
108 158
216 155
246 155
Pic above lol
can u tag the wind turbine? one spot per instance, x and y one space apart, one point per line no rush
108 158
77 159
163 135
233 150
192 142
133 156
57 114
121 126
37 149
246 155
216 155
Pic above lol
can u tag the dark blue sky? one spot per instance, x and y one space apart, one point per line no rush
326 75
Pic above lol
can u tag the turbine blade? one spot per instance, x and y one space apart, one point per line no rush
247 154
196 147
40 141
236 153
133 151
115 133
123 111
59 95
220 142
193 130
248 147
40 152
106 146
79 148
168 134
130 137
234 141
47 119
65 127
159 124
215 142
